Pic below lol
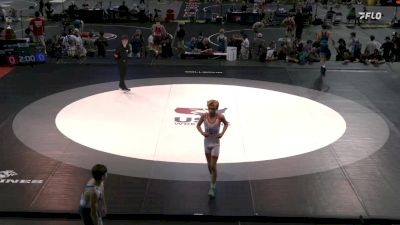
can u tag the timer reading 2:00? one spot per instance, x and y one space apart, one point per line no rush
39 57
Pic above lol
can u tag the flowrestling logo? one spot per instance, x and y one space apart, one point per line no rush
6 174
190 116
372 15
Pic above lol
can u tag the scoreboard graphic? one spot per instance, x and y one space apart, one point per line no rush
21 52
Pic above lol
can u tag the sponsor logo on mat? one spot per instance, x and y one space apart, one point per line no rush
7 174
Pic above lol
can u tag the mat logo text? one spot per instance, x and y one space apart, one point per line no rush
10 173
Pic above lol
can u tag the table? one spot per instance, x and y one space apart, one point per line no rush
198 55
248 18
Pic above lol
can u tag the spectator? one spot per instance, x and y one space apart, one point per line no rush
90 46
138 44
271 52
48 10
302 54
158 32
156 16
142 12
37 25
180 39
395 37
199 40
352 16
282 52
258 25
78 23
342 52
166 46
308 45
371 46
192 44
28 34
258 46
308 6
80 49
123 11
205 47
41 7
243 8
71 11
222 41
364 11
69 42
9 33
101 44
135 10
11 15
313 55
355 47
387 48
245 48
153 47
237 40
289 23
330 15
50 45
396 50
292 55
298 19
231 42
376 58
58 49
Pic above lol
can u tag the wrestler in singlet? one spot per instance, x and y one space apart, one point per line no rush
212 127
324 47
85 204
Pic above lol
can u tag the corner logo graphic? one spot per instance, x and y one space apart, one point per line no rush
192 115
7 173
10 173
372 15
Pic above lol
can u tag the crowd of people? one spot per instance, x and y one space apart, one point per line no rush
301 51
76 43
161 43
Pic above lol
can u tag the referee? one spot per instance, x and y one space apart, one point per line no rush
121 55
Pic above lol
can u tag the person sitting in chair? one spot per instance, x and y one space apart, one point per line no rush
205 47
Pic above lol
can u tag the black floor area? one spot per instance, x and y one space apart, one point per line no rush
368 188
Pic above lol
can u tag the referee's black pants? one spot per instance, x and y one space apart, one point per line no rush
123 69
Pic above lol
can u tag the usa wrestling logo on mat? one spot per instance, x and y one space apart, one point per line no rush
192 115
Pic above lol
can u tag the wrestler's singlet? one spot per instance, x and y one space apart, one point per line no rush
212 128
